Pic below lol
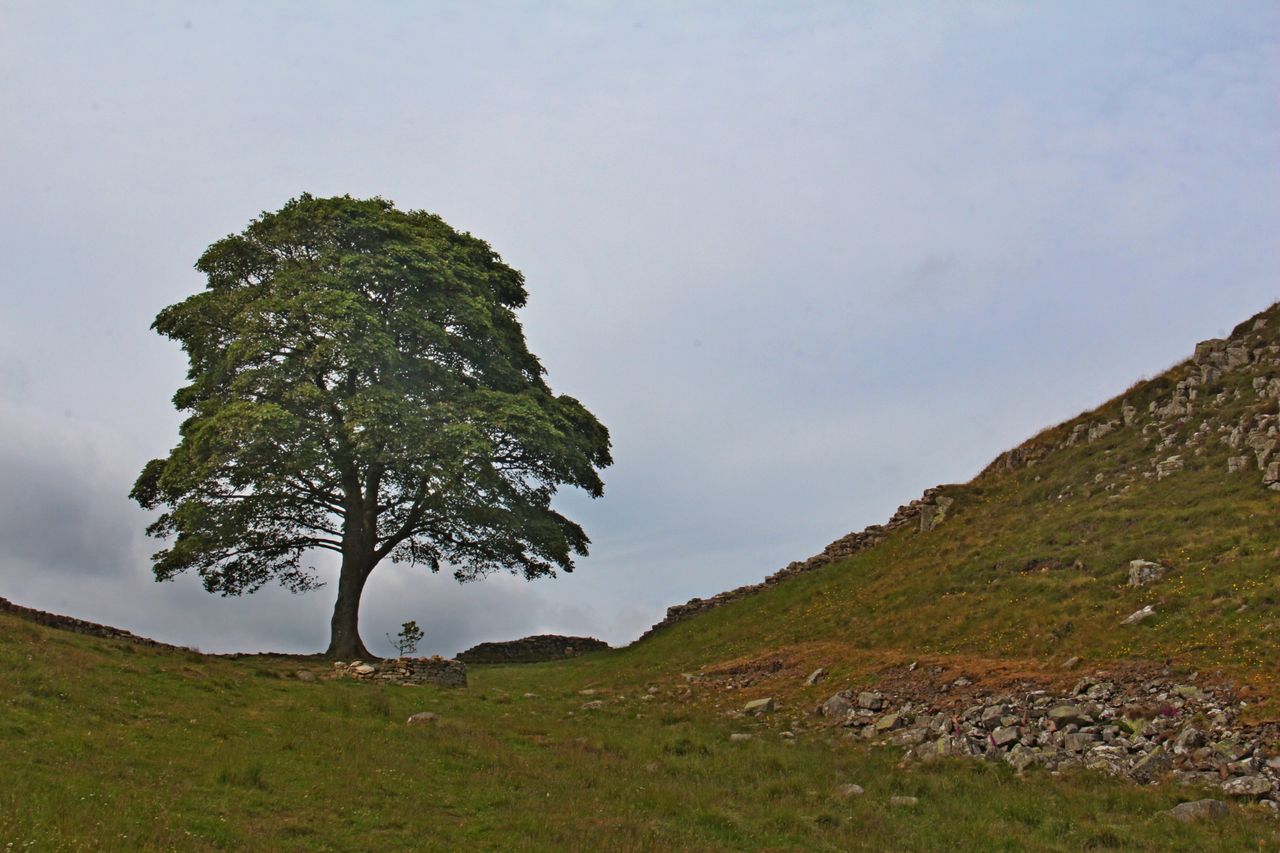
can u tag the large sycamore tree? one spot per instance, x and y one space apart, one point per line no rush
360 383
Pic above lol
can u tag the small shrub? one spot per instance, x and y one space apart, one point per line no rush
406 642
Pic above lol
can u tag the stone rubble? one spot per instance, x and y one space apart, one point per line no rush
1150 730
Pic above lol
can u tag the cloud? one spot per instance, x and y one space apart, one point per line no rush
60 509
803 262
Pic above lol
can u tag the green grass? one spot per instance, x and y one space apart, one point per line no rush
104 745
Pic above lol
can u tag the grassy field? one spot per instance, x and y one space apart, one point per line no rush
106 745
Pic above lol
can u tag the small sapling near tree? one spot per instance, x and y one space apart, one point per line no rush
406 642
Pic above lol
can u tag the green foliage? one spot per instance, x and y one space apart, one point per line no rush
359 382
406 642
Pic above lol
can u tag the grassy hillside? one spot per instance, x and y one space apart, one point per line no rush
105 745
1032 558
108 744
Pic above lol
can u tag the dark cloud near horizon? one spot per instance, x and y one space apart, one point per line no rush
60 510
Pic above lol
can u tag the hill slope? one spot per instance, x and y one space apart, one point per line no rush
1031 559
109 743
113 745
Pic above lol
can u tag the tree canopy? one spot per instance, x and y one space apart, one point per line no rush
359 383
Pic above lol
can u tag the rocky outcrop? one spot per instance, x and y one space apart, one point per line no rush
924 513
1143 572
406 671
542 647
1240 373
78 626
1148 731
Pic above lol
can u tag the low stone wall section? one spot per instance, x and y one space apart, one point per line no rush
406 671
78 626
542 647
924 513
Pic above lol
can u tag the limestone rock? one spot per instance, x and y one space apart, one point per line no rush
815 676
1139 615
1168 467
1078 741
305 675
888 722
739 737
1143 572
1066 714
1199 810
1153 765
870 701
838 706
759 706
849 791
423 718
1248 786
1004 735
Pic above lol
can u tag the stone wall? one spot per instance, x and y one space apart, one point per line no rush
409 671
542 647
924 513
78 626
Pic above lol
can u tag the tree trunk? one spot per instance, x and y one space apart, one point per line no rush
344 633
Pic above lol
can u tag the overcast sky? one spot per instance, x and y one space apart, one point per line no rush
804 259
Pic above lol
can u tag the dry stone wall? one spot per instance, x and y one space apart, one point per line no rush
78 626
925 513
542 647
407 671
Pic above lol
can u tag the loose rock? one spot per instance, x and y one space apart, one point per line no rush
1248 787
1143 572
1138 616
1199 810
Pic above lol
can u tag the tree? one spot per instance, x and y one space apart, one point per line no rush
360 383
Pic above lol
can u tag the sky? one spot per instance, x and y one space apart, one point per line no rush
803 259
